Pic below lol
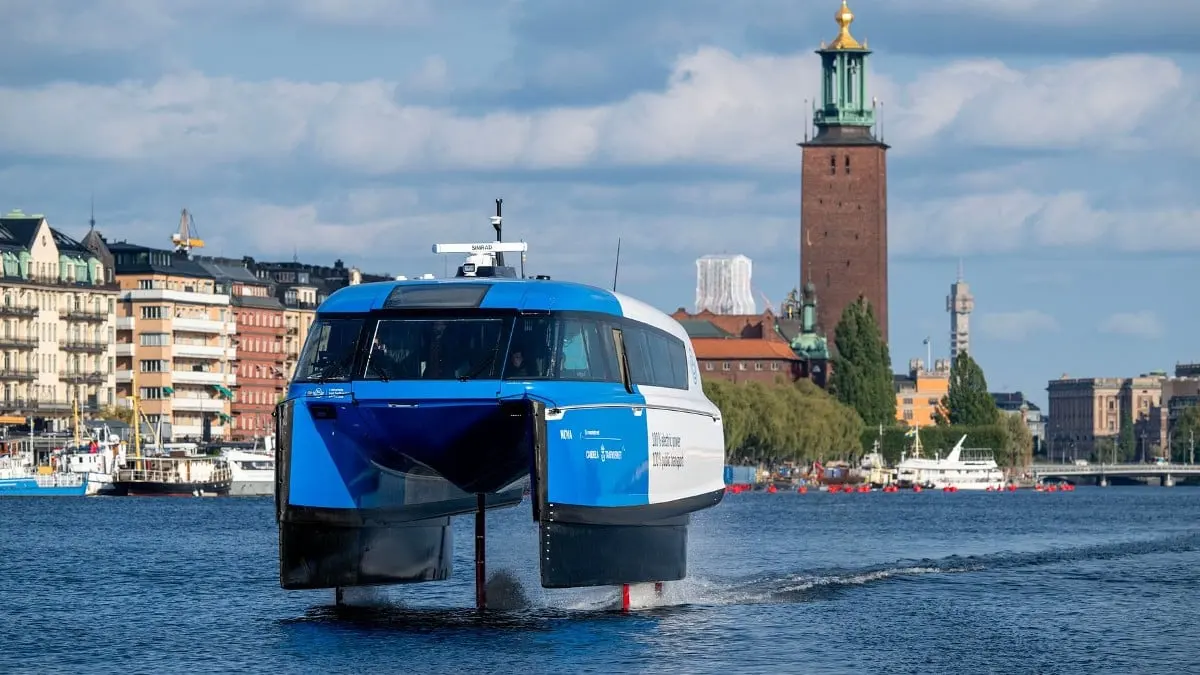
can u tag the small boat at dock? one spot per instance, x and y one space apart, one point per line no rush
186 475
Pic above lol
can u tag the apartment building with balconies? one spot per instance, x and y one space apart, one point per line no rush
301 288
175 339
57 320
261 372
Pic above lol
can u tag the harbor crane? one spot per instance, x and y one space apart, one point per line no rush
187 237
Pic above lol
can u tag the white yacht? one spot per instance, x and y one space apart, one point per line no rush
253 472
962 470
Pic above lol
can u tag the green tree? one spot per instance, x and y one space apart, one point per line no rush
1018 445
1126 443
1185 432
967 401
862 366
779 422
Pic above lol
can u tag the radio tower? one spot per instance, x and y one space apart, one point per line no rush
960 303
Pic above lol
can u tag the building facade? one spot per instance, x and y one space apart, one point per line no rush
843 210
58 310
1086 415
301 288
919 393
723 285
175 339
260 366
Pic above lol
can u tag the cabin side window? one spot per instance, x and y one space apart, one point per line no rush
562 346
656 358
329 350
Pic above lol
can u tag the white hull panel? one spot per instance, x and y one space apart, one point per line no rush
252 488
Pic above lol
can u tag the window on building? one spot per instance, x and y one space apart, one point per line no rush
847 165
708 366
758 365
725 366
155 339
154 312
774 365
833 165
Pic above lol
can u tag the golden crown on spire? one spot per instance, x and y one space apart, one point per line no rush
844 40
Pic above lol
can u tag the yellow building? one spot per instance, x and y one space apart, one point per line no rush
176 328
57 307
920 392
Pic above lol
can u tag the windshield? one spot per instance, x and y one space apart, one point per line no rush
438 348
329 351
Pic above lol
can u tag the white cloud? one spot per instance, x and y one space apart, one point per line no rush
1143 324
1016 326
716 108
1011 220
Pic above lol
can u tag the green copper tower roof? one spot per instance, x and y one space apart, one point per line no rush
844 92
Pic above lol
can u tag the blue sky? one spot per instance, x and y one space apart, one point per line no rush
1050 144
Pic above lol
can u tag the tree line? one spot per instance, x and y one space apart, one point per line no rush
799 422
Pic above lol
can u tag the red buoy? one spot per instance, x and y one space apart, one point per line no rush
624 597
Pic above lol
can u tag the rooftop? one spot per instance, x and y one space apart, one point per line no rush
742 349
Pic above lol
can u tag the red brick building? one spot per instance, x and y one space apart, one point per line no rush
843 211
745 360
261 377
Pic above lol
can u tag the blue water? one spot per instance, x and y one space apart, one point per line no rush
1099 580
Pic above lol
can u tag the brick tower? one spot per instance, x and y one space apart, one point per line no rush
843 203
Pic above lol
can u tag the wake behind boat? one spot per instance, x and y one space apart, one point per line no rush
418 400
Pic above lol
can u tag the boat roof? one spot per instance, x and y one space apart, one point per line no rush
531 294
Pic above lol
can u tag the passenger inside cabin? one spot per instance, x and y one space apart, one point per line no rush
517 366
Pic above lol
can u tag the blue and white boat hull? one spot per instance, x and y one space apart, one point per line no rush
52 485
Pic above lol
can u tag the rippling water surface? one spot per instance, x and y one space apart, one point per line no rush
1099 580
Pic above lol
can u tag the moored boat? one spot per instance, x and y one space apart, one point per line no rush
19 478
973 469
195 475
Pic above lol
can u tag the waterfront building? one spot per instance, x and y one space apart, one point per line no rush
843 212
176 328
919 392
58 313
260 365
740 348
723 285
1086 413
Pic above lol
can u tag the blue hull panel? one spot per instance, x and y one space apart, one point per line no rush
598 457
28 487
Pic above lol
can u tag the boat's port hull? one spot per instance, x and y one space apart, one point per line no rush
328 548
162 489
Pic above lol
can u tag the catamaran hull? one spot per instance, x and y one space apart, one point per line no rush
610 496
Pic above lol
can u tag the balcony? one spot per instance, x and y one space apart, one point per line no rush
204 326
215 405
84 346
293 330
18 311
85 314
19 343
183 431
125 349
199 351
201 377
47 406
164 295
126 323
79 377
18 374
